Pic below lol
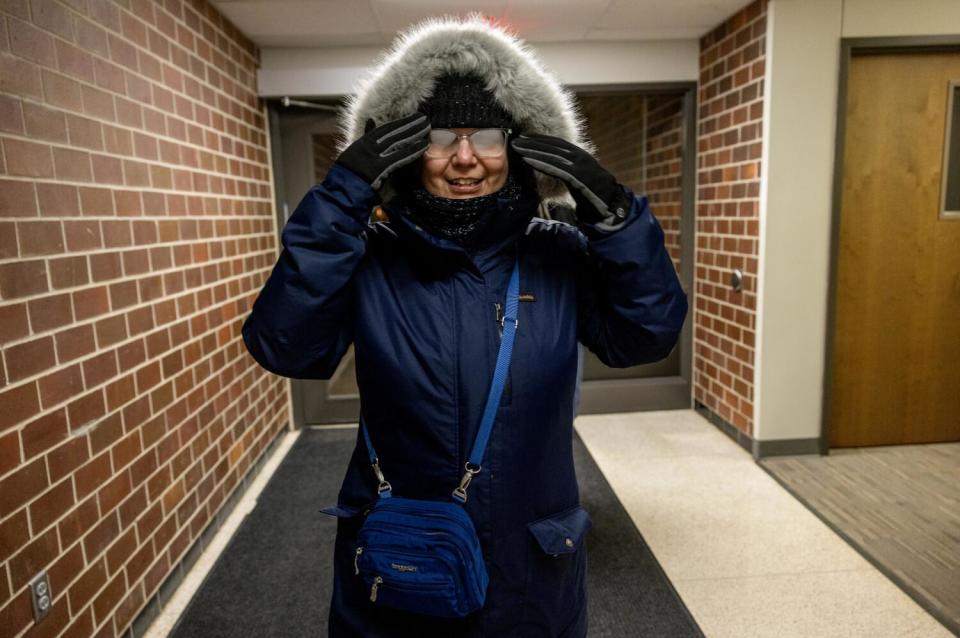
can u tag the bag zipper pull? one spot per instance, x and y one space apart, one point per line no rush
373 590
356 561
499 317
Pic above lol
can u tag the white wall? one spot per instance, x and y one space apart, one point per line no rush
803 44
333 71
874 18
802 79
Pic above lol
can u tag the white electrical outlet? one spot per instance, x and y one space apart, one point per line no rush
40 593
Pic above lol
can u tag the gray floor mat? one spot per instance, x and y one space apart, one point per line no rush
274 577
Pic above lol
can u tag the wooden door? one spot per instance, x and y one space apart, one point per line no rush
896 355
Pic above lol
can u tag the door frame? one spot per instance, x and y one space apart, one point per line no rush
343 411
667 392
848 48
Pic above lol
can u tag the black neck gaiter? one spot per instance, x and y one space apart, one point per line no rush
460 220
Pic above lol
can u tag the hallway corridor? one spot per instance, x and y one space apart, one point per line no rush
745 557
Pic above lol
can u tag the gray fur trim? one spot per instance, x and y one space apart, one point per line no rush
403 76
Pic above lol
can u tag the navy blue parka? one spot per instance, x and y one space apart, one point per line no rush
421 313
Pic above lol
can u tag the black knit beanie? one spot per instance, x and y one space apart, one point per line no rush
462 101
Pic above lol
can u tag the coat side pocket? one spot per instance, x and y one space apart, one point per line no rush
562 533
556 570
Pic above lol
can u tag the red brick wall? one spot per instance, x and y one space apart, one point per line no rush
615 126
639 139
136 227
728 182
664 164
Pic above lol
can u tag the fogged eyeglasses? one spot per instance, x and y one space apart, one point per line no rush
486 142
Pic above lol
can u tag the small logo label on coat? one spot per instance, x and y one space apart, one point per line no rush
403 568
526 296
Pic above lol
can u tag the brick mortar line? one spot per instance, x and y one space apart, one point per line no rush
727 388
137 278
159 498
71 476
149 218
113 94
126 247
199 510
736 127
128 41
723 303
707 346
756 100
253 59
720 149
720 402
99 350
716 117
730 73
722 284
719 235
203 18
121 344
121 250
735 376
732 182
200 16
163 380
761 17
723 336
157 554
729 109
709 202
52 143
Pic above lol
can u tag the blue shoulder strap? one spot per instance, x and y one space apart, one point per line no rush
510 324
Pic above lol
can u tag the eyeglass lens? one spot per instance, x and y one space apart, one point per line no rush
486 142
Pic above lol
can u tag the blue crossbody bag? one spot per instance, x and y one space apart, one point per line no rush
424 556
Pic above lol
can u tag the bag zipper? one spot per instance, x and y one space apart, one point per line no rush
378 581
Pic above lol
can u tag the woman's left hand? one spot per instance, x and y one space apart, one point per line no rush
598 195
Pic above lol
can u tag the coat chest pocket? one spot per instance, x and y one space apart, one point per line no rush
556 569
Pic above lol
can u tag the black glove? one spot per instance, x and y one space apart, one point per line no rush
598 195
383 149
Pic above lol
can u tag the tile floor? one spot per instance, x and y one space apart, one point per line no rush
744 555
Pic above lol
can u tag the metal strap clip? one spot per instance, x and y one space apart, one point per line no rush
384 484
460 492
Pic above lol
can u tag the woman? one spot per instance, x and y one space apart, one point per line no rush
452 144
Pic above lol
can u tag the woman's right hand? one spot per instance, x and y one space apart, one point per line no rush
382 150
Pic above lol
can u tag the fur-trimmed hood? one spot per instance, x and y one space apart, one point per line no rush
403 77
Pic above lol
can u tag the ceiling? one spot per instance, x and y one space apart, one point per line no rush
338 23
